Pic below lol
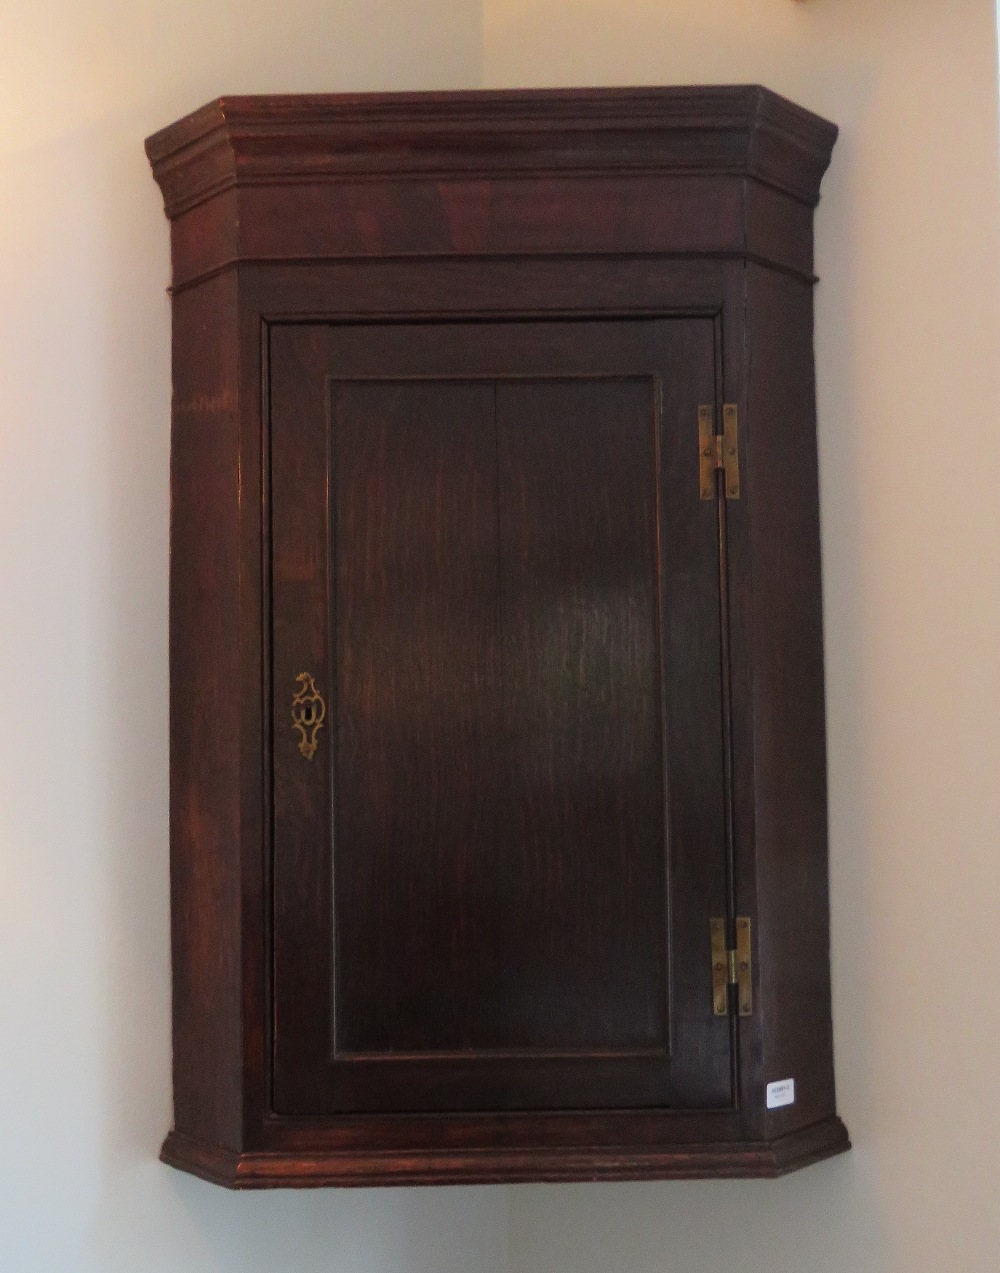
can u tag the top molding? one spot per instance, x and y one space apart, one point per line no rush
743 131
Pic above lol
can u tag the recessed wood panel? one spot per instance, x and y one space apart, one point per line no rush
498 849
583 749
417 852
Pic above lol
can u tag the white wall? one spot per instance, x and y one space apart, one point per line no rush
84 414
908 347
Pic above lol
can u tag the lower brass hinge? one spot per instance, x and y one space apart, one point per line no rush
719 451
731 967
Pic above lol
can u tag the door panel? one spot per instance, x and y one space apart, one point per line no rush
415 622
582 765
489 552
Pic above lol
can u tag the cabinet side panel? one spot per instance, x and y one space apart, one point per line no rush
792 934
779 229
204 714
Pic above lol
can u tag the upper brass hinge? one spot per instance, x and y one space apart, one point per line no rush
719 451
731 967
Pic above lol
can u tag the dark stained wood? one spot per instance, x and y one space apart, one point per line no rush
284 139
350 292
302 1169
785 632
469 941
205 853
581 772
635 216
500 813
510 173
414 556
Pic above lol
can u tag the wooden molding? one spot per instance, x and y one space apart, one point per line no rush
241 141
299 1169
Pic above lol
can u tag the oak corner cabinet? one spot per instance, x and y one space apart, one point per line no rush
498 776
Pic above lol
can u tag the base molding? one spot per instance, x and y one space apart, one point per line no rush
270 1169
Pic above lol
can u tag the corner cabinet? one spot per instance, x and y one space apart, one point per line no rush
498 784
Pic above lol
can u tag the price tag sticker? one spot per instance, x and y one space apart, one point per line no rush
780 1093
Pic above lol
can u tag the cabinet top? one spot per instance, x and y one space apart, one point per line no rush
741 131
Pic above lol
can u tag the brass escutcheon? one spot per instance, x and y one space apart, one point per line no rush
308 713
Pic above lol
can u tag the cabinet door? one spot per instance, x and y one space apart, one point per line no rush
498 795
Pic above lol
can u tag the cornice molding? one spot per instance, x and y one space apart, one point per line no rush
280 140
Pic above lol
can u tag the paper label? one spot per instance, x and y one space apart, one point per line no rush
780 1093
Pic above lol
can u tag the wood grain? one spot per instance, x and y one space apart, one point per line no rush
437 366
505 656
767 1159
731 170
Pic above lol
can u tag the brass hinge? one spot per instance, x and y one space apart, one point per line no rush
719 451
731 968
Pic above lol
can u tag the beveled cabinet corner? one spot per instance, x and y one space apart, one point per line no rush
498 776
